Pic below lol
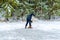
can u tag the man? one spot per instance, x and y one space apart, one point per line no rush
28 20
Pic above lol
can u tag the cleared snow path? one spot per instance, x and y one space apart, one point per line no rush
29 34
42 30
40 25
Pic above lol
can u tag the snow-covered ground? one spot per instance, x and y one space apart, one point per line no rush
40 25
42 30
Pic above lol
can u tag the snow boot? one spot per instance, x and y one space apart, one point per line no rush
29 27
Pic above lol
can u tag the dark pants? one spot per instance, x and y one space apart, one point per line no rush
28 21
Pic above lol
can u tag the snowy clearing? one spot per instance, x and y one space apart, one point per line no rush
42 30
40 25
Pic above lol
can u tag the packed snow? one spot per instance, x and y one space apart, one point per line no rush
41 30
40 25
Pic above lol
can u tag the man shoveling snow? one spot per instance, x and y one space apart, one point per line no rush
28 20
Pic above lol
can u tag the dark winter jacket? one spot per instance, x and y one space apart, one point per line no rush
29 17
